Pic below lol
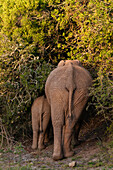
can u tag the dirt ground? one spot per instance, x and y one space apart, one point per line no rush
94 152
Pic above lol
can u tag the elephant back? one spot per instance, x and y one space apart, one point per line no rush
82 77
56 82
59 77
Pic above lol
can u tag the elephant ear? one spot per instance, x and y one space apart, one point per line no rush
70 85
76 62
61 63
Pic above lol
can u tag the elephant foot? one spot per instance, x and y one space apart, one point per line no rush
68 154
76 143
41 147
57 157
34 146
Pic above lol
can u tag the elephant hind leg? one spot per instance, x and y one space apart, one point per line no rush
35 127
58 153
35 138
76 131
46 119
80 99
67 140
57 115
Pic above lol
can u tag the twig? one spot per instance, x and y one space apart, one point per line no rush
4 135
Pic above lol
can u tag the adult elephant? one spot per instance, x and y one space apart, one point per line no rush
66 89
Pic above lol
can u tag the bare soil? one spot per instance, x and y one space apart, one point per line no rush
94 152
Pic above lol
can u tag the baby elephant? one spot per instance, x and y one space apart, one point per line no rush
40 119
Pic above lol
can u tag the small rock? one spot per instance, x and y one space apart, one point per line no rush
72 164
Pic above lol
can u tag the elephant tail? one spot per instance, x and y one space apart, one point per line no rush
70 102
41 114
70 85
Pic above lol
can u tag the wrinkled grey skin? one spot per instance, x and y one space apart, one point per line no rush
40 119
69 72
79 123
69 77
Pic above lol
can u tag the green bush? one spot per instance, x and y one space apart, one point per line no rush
22 81
35 35
102 95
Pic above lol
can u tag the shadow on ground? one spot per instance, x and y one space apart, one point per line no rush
94 152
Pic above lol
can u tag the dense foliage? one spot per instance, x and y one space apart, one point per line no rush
35 35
